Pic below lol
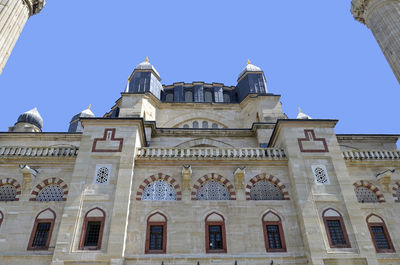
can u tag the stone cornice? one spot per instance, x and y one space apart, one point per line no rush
35 6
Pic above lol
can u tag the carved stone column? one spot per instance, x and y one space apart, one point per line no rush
383 18
186 179
13 16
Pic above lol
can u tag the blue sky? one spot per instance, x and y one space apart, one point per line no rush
313 53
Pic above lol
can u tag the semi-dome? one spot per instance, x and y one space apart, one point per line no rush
32 117
302 116
146 65
249 68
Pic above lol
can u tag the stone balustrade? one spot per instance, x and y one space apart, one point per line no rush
32 151
371 155
211 153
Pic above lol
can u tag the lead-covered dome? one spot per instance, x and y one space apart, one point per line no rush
249 68
146 65
32 117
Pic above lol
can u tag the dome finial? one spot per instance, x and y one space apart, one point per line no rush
248 61
90 105
147 59
299 110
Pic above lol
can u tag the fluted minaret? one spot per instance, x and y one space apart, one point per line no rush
383 18
13 16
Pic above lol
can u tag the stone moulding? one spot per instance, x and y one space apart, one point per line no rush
371 155
211 153
32 151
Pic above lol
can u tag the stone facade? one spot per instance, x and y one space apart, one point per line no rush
187 165
13 16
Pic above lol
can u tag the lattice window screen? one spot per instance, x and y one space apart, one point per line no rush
7 193
320 174
102 174
50 193
213 190
365 195
265 190
159 190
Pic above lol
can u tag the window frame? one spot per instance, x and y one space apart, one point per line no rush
34 230
164 236
385 231
84 230
1 218
223 232
281 233
342 226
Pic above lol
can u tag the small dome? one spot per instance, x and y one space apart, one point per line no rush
33 117
303 116
86 113
249 68
146 65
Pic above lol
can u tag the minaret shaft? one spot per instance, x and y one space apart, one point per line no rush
13 16
382 17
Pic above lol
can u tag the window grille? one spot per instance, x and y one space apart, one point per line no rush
215 237
336 233
213 190
265 190
159 190
274 237
49 193
156 237
7 192
365 195
41 234
320 174
380 237
92 233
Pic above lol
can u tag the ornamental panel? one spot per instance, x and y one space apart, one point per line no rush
365 195
102 174
320 174
159 190
265 190
213 190
51 192
7 192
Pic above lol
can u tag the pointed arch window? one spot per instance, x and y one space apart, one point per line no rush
159 190
215 233
92 230
42 230
156 235
213 190
273 233
265 190
379 234
335 229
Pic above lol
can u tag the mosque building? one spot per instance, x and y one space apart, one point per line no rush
199 173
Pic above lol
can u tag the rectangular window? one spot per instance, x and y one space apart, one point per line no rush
156 237
92 234
380 237
336 233
274 238
215 237
41 235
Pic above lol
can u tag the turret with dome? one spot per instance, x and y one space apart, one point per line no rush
29 121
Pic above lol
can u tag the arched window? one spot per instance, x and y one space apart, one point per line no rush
195 124
398 195
1 217
7 192
364 194
169 97
92 230
215 126
335 229
379 234
208 96
265 190
49 193
215 233
159 190
156 235
42 230
273 233
186 126
213 190
204 124
188 96
227 98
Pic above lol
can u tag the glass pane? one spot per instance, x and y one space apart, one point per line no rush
92 233
215 126
274 238
336 233
50 193
227 98
156 237
189 96
7 192
215 237
213 190
380 237
42 232
265 190
159 190
195 124
169 97
205 124
365 195
207 96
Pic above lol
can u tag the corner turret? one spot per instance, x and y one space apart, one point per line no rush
75 124
251 81
29 121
